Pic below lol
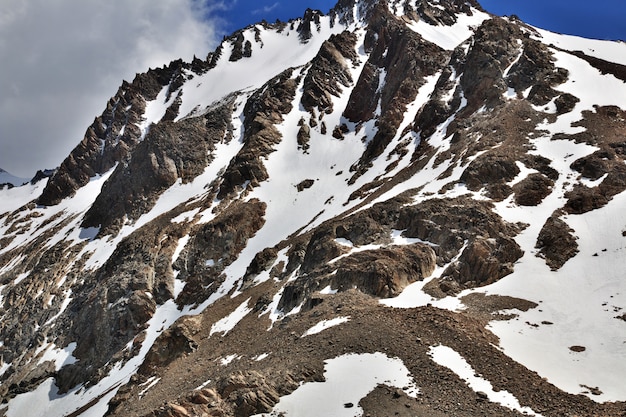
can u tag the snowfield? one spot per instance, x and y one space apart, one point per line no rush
349 378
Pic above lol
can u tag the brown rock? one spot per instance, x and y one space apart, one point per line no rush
219 242
405 58
556 242
385 272
595 165
263 111
485 261
303 185
170 151
489 169
176 410
533 189
565 103
329 72
102 147
583 199
171 344
304 137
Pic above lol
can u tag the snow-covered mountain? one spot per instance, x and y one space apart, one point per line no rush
400 208
8 180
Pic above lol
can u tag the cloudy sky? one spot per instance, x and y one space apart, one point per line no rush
61 60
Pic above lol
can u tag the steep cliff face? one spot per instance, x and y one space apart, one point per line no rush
416 184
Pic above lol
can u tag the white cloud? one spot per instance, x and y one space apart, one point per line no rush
266 9
62 60
221 5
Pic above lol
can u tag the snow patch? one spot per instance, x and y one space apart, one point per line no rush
328 291
4 367
152 381
612 51
229 322
60 357
203 385
21 277
325 324
261 357
399 240
344 242
449 358
587 84
182 242
348 379
228 359
155 110
64 304
88 233
449 37
6 178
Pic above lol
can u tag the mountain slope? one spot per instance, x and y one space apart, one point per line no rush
7 180
410 185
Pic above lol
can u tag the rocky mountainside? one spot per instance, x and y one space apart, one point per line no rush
405 208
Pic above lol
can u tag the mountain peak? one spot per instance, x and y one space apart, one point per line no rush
7 179
418 178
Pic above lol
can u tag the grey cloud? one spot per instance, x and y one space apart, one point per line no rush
61 60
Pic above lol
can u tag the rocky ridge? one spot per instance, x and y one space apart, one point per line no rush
174 262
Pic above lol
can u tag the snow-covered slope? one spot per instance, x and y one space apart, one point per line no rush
6 178
415 195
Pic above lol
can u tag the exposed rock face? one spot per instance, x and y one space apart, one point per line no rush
446 15
535 70
489 170
309 23
449 223
263 110
241 48
171 344
213 256
482 79
251 393
533 189
604 129
444 224
485 261
115 303
304 135
556 243
385 272
215 246
170 151
111 136
397 64
329 73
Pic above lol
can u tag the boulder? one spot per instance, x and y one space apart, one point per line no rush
384 272
556 242
533 189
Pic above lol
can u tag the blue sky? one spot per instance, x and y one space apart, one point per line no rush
601 19
237 14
